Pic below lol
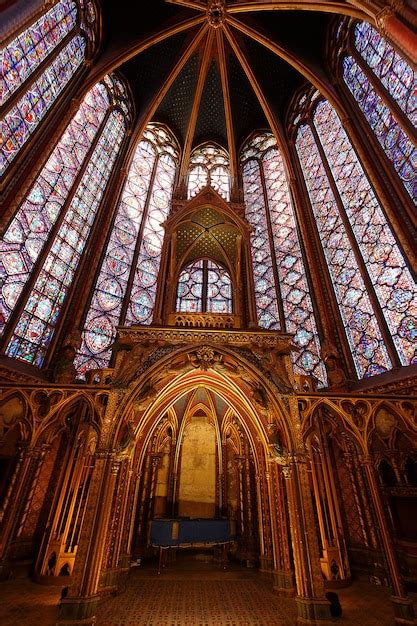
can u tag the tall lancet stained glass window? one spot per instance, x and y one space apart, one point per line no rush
372 283
125 289
43 245
209 165
204 286
36 67
278 265
384 86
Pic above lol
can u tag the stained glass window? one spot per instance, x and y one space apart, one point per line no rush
54 46
204 286
209 165
351 199
390 276
190 289
22 119
394 72
56 217
278 264
27 51
131 259
256 214
395 77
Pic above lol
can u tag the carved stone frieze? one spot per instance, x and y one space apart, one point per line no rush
280 342
204 320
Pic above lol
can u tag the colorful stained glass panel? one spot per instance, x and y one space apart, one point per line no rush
25 238
22 119
364 336
36 326
391 278
104 312
399 148
142 298
265 288
25 53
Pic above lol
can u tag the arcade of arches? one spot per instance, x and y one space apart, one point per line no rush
208 305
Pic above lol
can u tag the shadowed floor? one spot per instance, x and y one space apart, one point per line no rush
191 593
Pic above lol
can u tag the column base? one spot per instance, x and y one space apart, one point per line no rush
313 611
78 611
403 610
266 564
284 584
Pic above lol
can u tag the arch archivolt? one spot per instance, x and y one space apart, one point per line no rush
263 411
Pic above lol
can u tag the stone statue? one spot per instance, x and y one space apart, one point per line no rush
64 370
331 358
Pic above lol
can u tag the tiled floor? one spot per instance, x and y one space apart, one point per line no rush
191 595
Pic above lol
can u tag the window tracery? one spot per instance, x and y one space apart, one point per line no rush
204 287
384 87
42 247
37 65
125 289
358 244
278 264
209 165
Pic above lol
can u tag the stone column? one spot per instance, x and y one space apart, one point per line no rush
81 604
18 499
284 583
312 605
402 603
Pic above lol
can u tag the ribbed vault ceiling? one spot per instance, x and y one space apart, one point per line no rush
225 68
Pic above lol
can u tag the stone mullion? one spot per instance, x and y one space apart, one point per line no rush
383 326
138 245
272 246
165 300
40 261
402 604
322 291
99 239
